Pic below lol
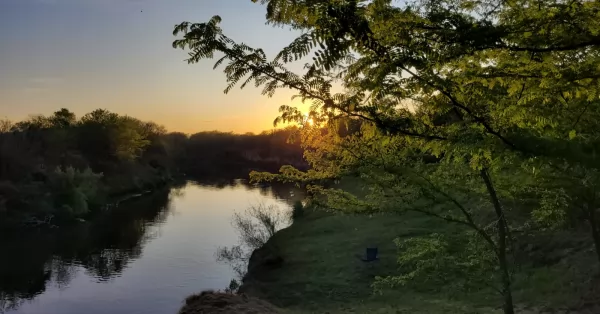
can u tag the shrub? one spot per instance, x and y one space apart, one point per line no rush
73 190
233 287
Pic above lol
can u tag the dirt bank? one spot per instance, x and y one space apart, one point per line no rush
209 302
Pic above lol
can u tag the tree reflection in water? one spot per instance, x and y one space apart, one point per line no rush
255 226
34 259
103 248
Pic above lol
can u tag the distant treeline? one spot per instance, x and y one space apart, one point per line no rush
58 167
218 154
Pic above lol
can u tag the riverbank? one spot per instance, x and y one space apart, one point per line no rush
74 202
151 251
319 272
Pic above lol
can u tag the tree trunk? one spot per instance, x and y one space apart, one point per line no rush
502 235
595 230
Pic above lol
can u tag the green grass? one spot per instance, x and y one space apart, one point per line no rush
321 273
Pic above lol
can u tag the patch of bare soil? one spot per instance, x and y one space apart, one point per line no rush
209 302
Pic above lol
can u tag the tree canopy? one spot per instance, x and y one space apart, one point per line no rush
438 56
492 96
58 167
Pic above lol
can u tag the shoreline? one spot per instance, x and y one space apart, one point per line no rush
112 202
261 261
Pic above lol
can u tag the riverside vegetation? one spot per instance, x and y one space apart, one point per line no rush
471 128
55 169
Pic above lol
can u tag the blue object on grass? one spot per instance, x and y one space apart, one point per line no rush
371 255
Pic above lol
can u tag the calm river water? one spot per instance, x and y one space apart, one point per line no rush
144 257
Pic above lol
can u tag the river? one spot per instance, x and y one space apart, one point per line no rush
143 257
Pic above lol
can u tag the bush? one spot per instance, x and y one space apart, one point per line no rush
73 191
233 287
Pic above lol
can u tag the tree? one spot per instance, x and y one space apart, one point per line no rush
6 126
63 118
106 136
58 166
484 83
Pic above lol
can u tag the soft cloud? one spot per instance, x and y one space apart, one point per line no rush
45 80
34 90
36 85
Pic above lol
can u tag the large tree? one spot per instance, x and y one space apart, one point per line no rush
491 84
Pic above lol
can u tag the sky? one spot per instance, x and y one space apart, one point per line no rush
117 55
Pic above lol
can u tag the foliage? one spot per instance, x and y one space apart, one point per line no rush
460 261
440 86
233 287
241 153
74 190
551 212
109 137
5 126
131 155
321 275
62 166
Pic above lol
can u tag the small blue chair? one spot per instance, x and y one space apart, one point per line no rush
371 255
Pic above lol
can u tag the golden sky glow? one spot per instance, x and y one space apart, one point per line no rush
117 55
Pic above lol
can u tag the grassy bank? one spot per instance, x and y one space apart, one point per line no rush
321 273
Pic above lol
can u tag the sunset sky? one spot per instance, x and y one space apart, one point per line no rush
89 54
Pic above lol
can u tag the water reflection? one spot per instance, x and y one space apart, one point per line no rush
103 249
286 192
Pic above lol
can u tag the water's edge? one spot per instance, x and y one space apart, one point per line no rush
261 262
145 255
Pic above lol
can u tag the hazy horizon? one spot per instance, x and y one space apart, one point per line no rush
116 55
